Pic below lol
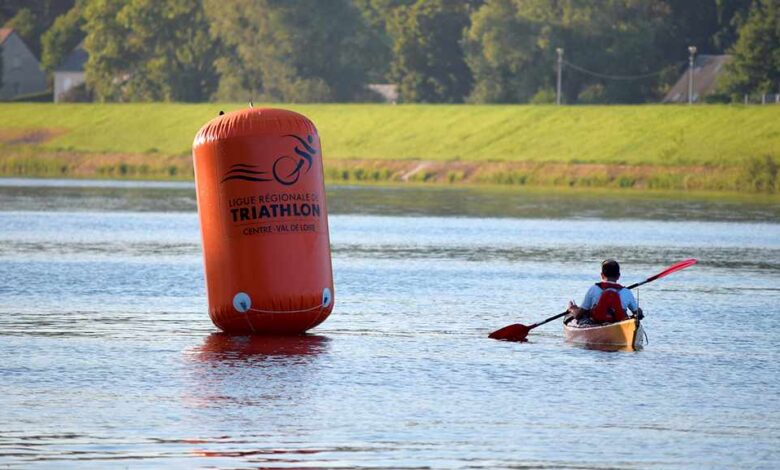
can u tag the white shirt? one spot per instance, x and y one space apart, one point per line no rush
627 299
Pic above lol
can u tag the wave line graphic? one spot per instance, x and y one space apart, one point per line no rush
245 178
241 170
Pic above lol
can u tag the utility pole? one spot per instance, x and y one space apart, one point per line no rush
691 59
560 69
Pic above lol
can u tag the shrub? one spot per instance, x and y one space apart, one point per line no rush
544 96
592 94
760 174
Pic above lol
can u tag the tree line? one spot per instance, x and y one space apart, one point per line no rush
436 51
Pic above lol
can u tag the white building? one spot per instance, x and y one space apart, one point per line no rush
388 91
22 74
71 72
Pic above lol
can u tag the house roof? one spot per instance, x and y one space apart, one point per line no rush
706 71
75 61
4 33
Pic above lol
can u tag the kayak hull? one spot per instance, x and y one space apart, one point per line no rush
625 335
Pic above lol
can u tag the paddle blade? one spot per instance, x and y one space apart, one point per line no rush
674 268
516 332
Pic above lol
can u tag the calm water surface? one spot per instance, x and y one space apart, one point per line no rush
108 357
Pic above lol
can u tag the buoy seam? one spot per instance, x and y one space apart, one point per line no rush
320 306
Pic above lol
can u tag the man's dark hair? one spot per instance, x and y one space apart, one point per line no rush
610 269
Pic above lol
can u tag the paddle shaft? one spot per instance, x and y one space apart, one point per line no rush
548 320
637 284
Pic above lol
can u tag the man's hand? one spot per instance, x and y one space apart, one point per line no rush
639 313
574 310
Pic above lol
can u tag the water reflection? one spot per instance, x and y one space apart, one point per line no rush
606 347
266 456
556 203
144 196
247 374
225 349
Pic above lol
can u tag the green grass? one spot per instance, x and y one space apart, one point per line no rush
725 135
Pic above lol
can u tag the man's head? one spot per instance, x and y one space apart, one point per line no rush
610 270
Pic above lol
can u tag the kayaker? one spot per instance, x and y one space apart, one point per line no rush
606 301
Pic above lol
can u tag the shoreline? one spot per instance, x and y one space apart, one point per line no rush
756 179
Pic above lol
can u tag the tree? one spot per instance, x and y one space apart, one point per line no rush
295 51
60 39
507 54
108 64
729 14
690 23
627 31
23 23
511 49
240 66
428 63
756 63
709 25
30 18
376 14
144 50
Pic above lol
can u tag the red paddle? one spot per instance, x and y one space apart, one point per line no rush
518 332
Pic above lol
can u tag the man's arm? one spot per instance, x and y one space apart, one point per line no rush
632 304
630 300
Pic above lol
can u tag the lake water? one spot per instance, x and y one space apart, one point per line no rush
108 357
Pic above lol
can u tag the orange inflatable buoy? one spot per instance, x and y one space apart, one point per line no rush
264 222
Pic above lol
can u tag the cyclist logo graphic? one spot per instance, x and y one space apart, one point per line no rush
286 169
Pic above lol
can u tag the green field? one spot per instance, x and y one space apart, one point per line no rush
721 137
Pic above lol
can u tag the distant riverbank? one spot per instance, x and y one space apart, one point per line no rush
710 148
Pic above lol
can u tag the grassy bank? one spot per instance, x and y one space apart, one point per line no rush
732 148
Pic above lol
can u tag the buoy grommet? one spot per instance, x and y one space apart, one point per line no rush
326 297
242 302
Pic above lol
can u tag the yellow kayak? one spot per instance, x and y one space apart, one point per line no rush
624 335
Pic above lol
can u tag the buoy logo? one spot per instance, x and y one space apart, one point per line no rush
286 169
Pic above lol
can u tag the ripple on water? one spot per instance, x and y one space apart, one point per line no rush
108 358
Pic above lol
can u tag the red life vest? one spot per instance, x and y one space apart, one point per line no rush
609 307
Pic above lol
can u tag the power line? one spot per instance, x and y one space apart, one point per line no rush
618 77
